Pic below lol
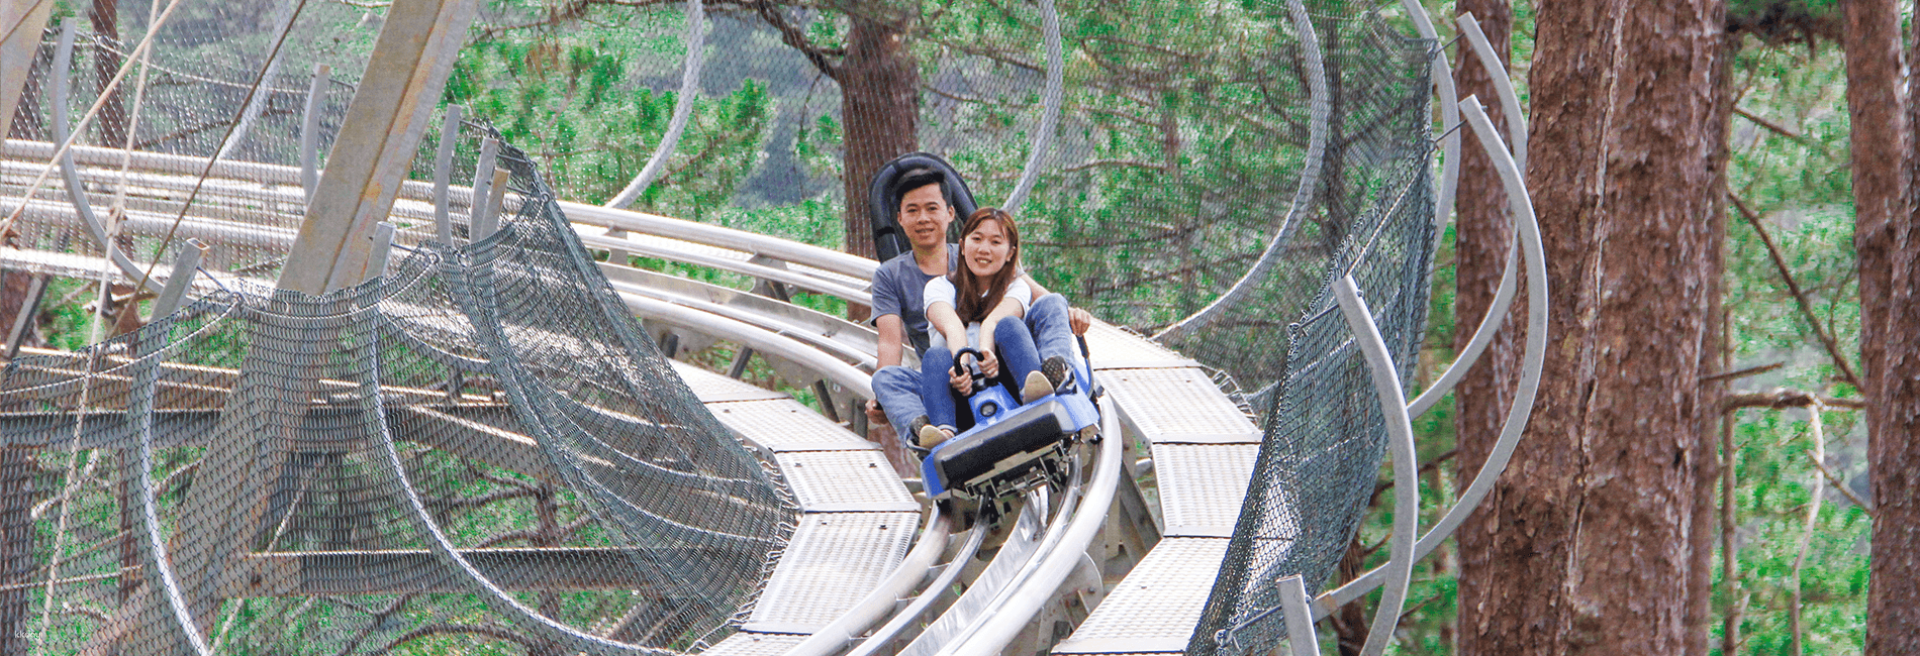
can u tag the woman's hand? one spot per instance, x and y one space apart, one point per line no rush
958 379
989 365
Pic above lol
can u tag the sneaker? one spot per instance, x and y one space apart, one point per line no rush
1036 388
1058 371
931 436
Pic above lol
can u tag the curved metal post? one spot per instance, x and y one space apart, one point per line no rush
1316 75
157 565
69 174
482 186
1449 101
682 108
1049 115
1530 370
443 173
310 130
1490 323
1502 87
1406 474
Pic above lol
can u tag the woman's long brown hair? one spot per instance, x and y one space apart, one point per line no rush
972 305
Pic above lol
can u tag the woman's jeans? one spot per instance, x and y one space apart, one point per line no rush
1018 356
900 390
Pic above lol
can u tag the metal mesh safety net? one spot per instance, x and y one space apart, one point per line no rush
347 471
480 449
1325 433
476 452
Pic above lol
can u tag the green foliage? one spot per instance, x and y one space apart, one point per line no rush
579 101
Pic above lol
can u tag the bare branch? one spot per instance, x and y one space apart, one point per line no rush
1780 398
1799 297
1773 127
794 38
1743 373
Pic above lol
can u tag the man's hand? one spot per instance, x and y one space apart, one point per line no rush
1079 320
875 415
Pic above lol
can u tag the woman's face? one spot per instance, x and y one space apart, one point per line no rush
986 249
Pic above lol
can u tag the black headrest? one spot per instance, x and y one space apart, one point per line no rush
888 240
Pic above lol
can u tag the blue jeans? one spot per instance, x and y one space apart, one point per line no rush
1014 345
897 388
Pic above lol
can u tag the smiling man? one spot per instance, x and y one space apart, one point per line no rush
926 209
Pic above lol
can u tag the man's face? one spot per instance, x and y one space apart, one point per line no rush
924 216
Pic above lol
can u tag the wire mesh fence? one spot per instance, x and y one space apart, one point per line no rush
524 412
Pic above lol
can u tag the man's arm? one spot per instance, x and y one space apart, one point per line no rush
893 337
1078 320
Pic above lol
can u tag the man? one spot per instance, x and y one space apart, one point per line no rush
926 209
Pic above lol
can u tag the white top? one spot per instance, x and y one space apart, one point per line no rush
940 290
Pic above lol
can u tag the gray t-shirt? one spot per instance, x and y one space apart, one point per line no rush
899 287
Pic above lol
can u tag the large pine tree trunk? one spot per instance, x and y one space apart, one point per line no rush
105 17
1482 231
1595 519
1889 351
879 93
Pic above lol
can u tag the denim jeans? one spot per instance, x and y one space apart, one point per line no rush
905 394
897 388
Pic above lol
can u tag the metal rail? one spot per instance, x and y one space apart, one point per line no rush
1018 606
1406 475
1530 370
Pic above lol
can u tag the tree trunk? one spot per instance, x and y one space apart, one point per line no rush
1889 352
1596 517
105 16
1713 359
1482 231
879 95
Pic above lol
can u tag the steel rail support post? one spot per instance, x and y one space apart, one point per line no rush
370 157
1297 607
376 144
1531 367
1406 474
310 130
443 173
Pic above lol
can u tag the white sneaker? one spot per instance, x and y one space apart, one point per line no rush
931 436
1037 387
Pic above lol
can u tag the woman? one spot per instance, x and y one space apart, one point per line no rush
985 289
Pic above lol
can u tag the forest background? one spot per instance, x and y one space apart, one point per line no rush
1780 515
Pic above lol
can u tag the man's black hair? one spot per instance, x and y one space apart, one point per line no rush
916 179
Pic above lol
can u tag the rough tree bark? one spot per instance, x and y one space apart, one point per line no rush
112 125
1482 232
1889 267
1597 513
879 95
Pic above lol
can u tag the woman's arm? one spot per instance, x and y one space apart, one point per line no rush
1008 308
942 318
